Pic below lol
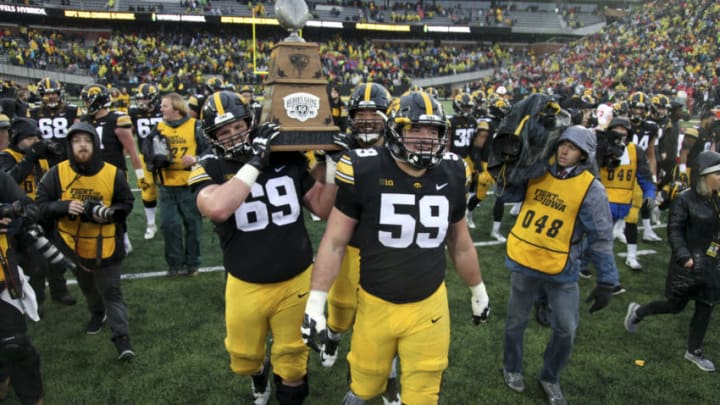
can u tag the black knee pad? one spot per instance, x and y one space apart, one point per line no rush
16 347
287 395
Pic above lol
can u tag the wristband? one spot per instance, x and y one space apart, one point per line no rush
682 168
247 174
139 174
316 302
479 290
330 169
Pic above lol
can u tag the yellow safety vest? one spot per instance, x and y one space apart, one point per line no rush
182 142
4 248
88 239
29 183
542 235
619 182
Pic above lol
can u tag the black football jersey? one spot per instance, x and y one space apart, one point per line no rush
402 220
462 133
265 241
645 134
110 147
143 122
54 125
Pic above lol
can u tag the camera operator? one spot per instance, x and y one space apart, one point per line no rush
89 198
19 361
26 161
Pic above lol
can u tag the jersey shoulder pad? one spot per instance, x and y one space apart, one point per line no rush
356 161
123 120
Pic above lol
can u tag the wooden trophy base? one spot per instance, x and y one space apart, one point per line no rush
296 98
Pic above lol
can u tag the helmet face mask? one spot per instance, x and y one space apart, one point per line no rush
418 131
50 91
147 97
221 116
366 108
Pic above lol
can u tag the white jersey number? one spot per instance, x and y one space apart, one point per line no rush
53 127
145 126
283 207
433 212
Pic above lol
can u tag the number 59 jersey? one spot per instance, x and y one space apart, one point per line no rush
265 241
402 220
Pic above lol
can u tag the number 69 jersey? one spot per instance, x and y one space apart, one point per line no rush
265 241
402 220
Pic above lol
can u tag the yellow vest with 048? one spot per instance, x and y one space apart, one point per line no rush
88 239
619 182
542 235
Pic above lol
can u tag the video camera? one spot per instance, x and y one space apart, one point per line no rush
35 235
46 149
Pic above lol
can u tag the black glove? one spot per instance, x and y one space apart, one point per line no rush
36 152
601 295
345 142
261 139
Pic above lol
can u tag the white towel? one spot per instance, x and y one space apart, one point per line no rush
27 304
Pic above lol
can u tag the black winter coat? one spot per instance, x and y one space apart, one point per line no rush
692 225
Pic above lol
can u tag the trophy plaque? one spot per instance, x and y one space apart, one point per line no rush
295 89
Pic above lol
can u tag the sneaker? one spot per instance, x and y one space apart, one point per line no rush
631 318
619 232
124 348
329 352
95 324
699 360
191 271
651 236
469 219
261 385
633 263
515 210
542 314
514 381
585 273
655 216
173 272
150 231
618 289
553 392
64 298
391 396
497 236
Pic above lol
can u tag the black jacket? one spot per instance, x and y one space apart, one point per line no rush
692 224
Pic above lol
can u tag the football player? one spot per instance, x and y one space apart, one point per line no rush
196 102
145 115
54 115
115 132
644 134
403 203
255 200
367 109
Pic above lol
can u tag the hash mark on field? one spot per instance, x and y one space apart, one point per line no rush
152 274
488 243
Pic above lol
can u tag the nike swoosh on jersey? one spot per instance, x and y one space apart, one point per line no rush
439 187
434 320
279 169
303 294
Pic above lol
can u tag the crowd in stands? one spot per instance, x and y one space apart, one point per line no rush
661 47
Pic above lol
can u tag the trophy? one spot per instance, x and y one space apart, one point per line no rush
295 89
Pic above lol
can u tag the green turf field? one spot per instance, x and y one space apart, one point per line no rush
177 330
